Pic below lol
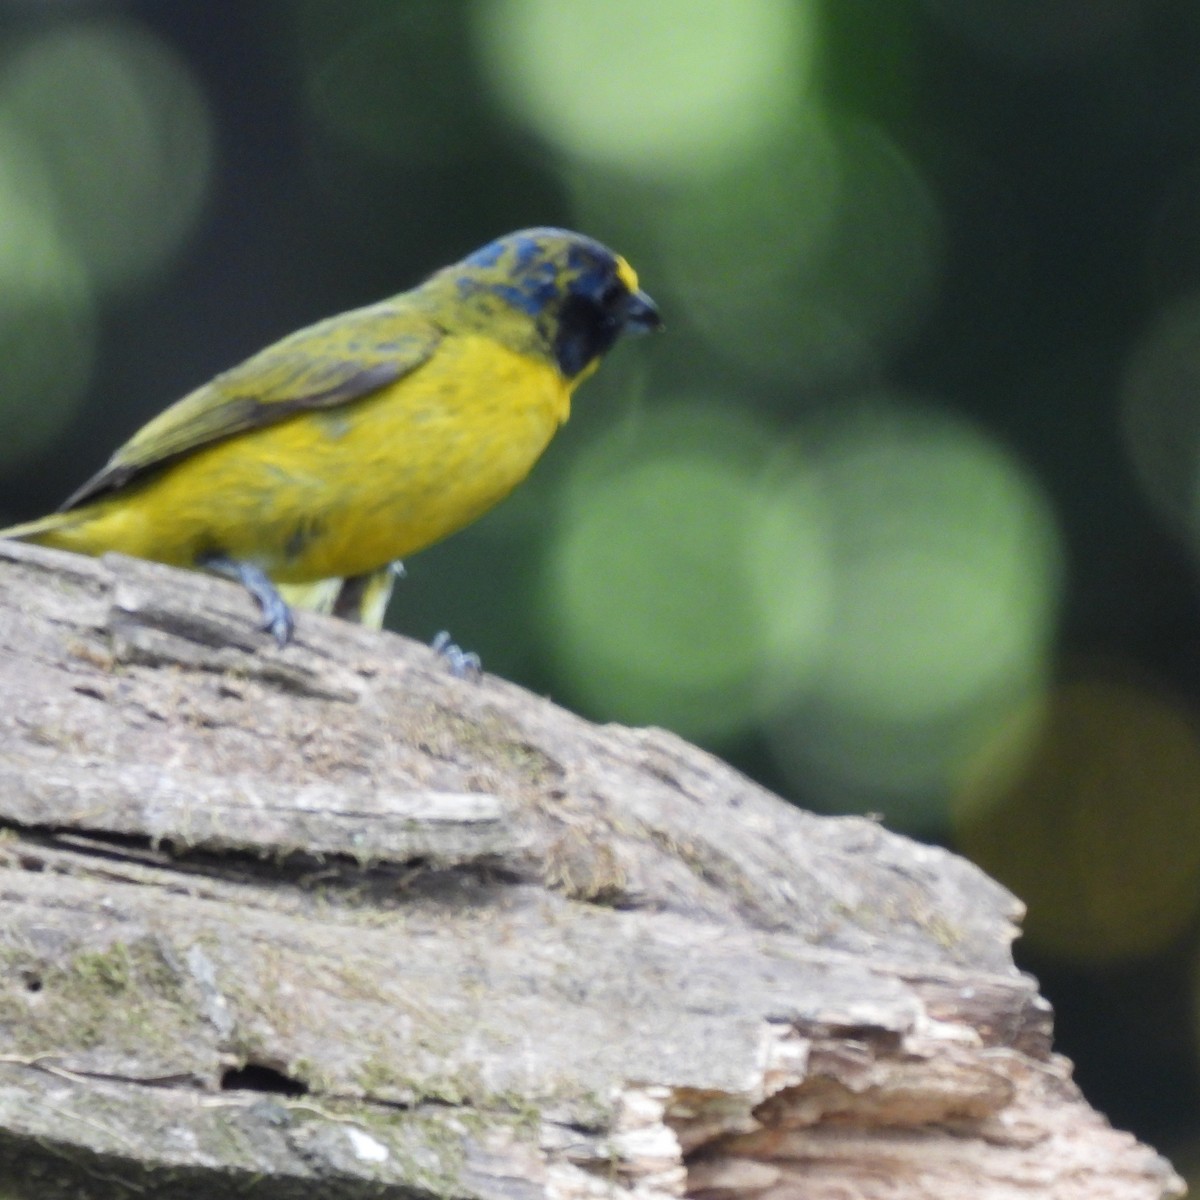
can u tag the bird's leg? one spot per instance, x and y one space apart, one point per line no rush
364 598
276 616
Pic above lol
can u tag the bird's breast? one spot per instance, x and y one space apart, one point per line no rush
391 474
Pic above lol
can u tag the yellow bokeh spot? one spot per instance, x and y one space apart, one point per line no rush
1099 830
122 139
662 89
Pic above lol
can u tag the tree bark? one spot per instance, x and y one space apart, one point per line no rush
327 920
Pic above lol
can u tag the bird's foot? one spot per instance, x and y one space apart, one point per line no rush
465 664
277 618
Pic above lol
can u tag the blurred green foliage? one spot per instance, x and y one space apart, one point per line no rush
903 513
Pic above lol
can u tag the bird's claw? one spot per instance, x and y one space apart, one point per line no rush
464 664
277 620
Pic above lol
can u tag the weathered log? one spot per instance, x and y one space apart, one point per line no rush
326 920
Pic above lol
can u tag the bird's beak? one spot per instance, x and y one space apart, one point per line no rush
640 314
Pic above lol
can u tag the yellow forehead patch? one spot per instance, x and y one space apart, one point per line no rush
626 274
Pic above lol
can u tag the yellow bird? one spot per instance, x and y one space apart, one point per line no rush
366 437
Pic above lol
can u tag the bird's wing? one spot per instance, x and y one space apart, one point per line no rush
324 366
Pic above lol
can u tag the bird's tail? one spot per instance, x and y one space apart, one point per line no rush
44 530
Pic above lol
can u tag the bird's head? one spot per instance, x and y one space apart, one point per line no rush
558 292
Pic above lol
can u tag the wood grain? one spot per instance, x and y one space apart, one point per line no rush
329 918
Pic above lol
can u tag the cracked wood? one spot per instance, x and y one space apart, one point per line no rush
467 943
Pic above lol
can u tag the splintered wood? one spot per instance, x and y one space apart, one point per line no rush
328 921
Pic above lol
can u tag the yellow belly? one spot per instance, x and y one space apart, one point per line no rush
342 491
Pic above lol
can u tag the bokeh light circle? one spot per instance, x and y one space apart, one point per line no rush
1099 831
122 135
809 261
47 310
665 579
945 565
648 88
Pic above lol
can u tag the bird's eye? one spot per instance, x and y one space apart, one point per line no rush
614 291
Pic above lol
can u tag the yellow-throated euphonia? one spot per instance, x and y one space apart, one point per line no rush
367 436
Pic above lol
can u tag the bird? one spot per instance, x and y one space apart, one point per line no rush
310 470
360 599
